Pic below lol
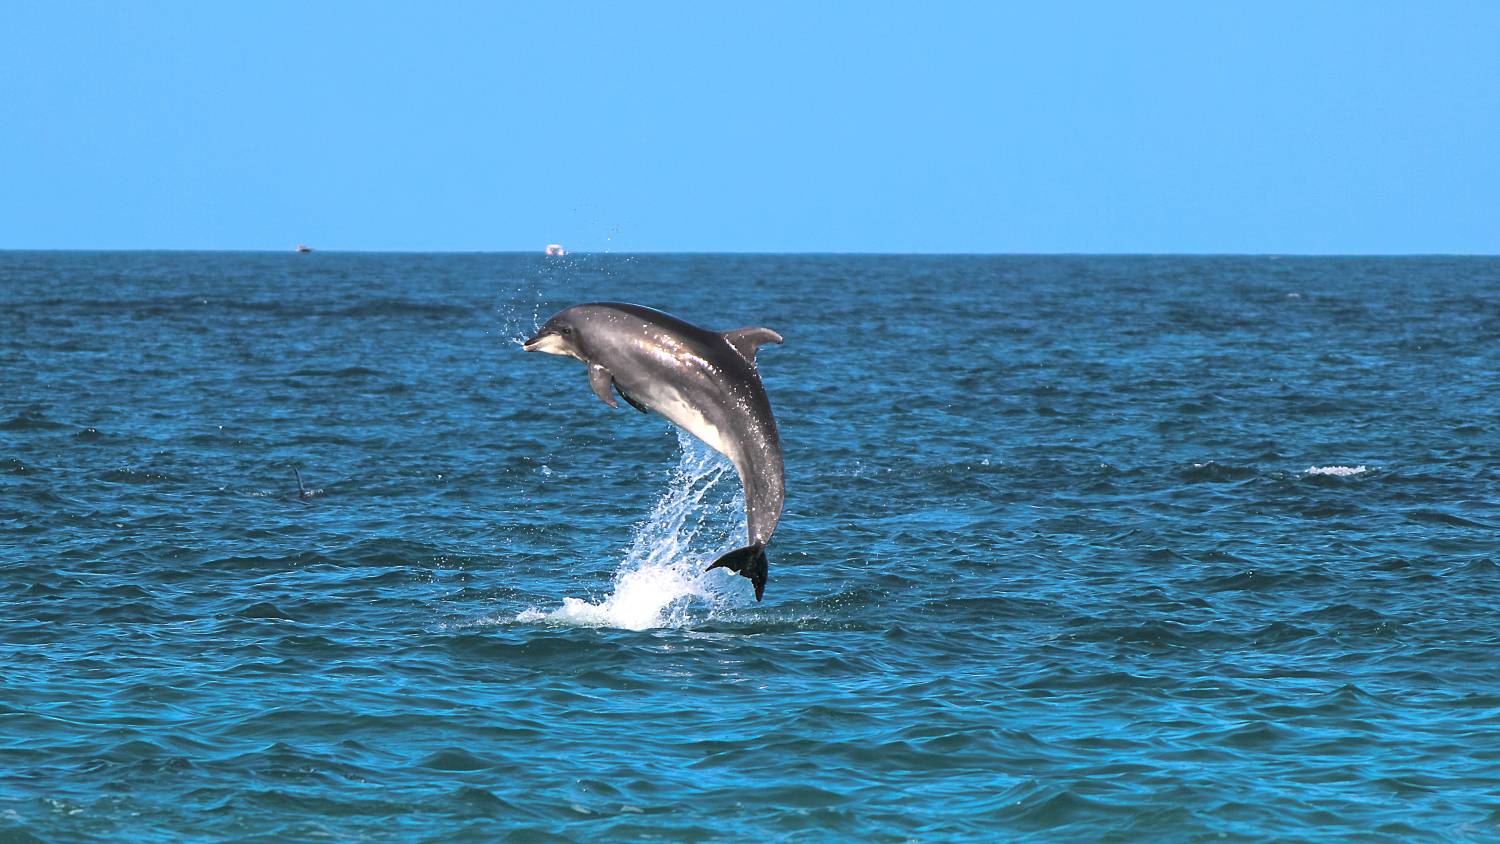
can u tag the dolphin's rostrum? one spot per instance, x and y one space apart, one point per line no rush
703 381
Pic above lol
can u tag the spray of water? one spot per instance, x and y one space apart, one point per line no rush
661 582
521 313
530 296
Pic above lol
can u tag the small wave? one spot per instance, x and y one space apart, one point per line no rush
1438 517
1215 472
30 421
662 576
346 372
264 609
1335 471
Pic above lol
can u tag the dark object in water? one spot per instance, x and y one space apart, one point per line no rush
303 493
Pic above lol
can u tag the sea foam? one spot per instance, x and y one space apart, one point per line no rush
1336 471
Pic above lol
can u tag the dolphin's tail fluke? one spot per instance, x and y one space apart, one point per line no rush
750 562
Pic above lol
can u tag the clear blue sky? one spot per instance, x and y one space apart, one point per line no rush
1321 127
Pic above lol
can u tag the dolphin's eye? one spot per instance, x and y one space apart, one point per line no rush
565 330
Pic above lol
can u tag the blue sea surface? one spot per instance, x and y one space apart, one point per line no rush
1075 548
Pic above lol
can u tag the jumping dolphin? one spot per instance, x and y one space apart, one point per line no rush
703 381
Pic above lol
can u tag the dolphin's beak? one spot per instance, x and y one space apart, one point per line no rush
551 342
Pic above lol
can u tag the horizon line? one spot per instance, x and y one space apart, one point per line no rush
762 253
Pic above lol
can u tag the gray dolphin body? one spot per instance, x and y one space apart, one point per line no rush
703 381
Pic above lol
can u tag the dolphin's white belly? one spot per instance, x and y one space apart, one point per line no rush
678 411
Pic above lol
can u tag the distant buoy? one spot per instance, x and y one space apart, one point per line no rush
302 247
556 250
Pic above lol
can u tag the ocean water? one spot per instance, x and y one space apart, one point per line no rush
1075 548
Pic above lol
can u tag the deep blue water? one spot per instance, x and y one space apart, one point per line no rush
1126 548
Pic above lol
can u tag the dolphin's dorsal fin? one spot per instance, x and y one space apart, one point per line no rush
747 340
602 382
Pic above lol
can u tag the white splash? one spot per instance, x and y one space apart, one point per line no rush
662 577
1336 471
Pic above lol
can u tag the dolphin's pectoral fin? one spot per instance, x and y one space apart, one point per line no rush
633 403
750 562
747 340
602 381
